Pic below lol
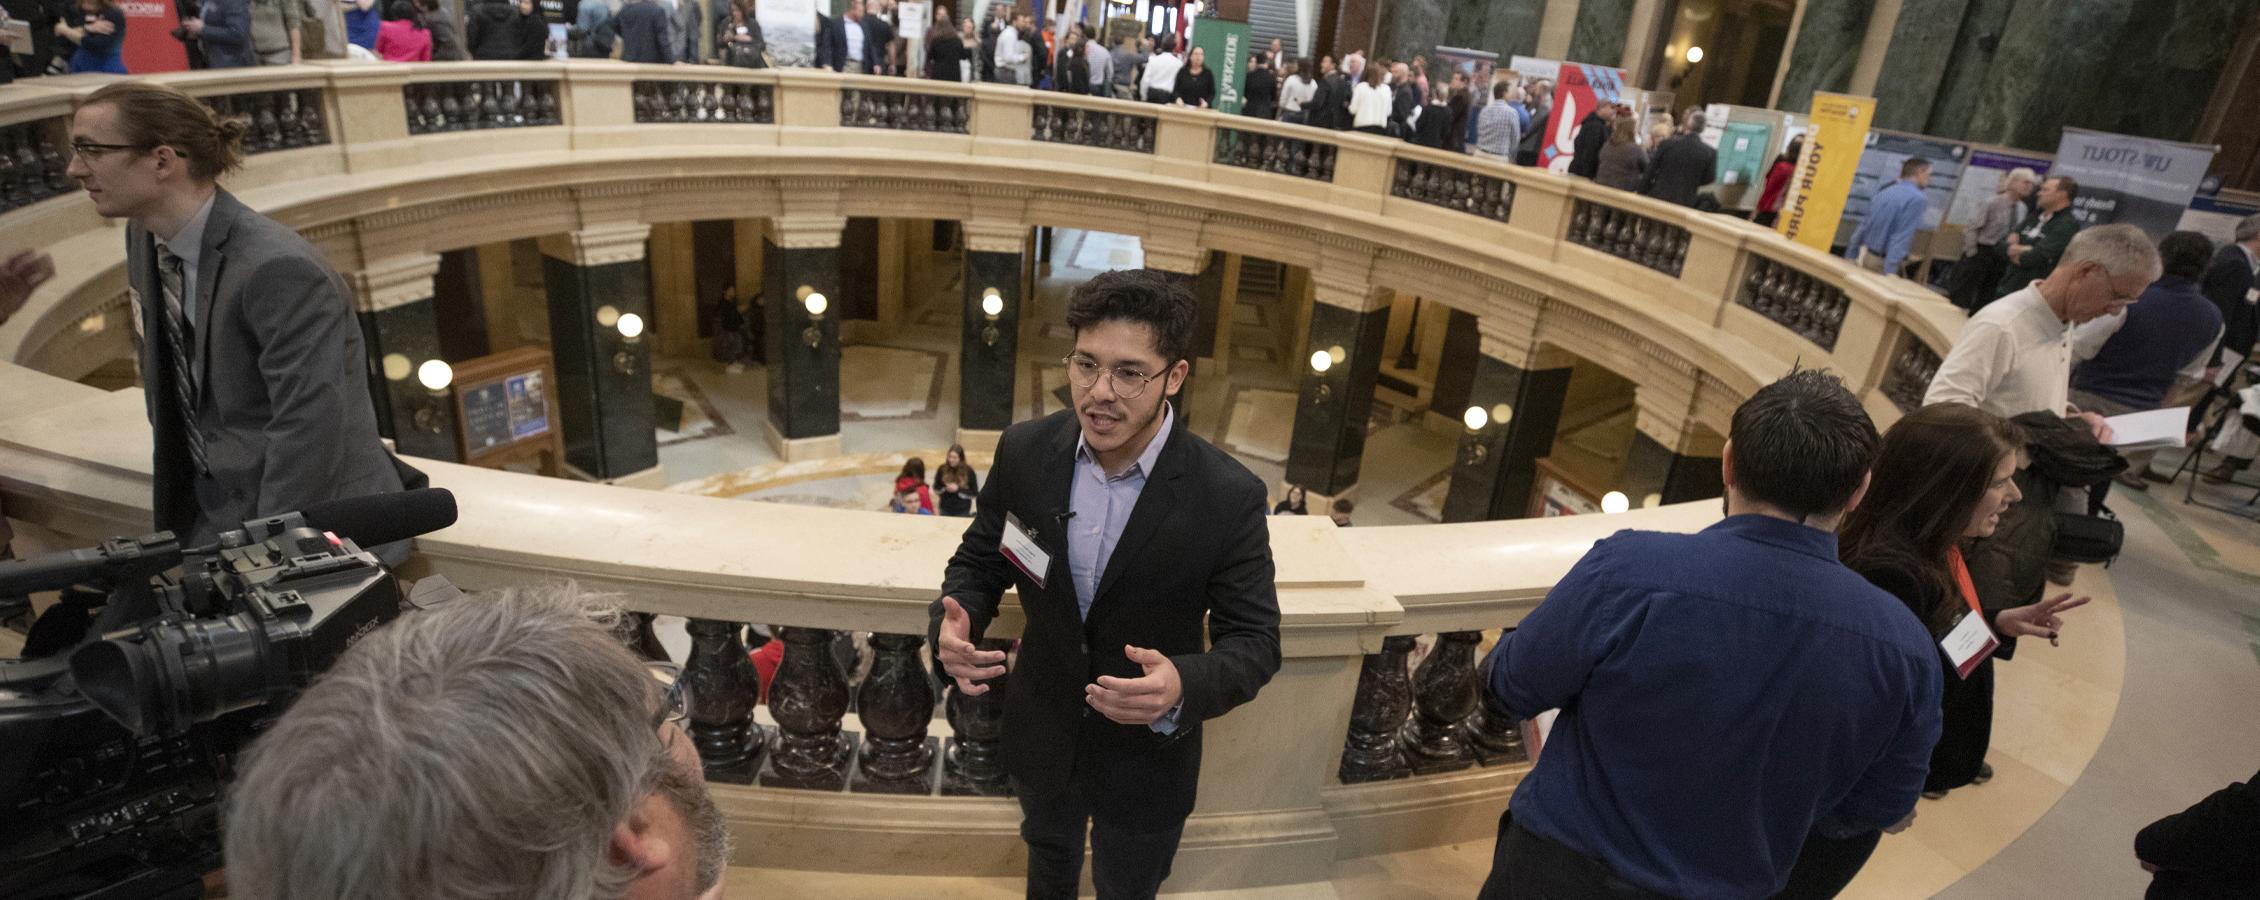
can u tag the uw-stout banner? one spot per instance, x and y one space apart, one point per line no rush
1817 190
1580 89
2138 181
1879 167
149 42
1224 50
789 29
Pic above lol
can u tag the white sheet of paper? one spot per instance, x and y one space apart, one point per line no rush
1968 644
2144 430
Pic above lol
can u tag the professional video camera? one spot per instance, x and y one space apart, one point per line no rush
120 723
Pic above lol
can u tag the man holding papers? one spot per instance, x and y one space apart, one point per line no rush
2158 348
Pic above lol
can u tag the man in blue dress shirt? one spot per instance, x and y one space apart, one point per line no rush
1894 214
1724 693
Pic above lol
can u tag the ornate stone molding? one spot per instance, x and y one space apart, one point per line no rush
1508 327
598 245
810 218
1344 277
397 281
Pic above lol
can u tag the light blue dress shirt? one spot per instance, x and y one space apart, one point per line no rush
1101 505
1889 230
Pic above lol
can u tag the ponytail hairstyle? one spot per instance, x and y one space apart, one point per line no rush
157 115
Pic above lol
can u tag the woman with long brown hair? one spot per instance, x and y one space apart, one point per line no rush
956 484
1941 479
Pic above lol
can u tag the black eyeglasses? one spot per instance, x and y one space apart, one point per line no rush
675 703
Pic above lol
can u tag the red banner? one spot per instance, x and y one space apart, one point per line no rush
149 41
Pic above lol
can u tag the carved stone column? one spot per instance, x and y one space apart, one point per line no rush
1443 694
802 339
597 278
1495 737
972 766
724 687
400 328
989 345
808 698
1371 753
895 704
1521 405
1349 325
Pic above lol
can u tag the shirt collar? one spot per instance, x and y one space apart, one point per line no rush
1145 464
1779 533
189 241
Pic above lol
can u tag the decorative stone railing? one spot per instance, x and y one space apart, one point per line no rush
1347 780
1913 365
716 102
904 111
1452 187
1793 299
33 157
1275 153
1094 128
437 106
277 120
1630 236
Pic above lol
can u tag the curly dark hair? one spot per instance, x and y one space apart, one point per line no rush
1156 299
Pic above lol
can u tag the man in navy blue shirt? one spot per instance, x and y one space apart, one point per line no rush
1894 215
1724 693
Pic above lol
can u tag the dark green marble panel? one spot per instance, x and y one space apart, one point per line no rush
1652 468
2180 56
804 381
607 412
1412 27
418 422
1827 47
1598 38
1511 29
1964 75
2052 53
1329 437
1498 485
1921 43
985 372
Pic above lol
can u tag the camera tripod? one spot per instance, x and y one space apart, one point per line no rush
2222 411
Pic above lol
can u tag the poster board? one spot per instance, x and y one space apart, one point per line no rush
2142 182
1879 167
788 27
505 407
1555 493
1477 65
913 19
1817 190
149 45
1224 49
1981 179
1580 89
1745 152
2215 218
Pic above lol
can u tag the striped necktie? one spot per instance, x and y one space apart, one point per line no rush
178 337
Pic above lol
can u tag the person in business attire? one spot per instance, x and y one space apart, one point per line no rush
1370 102
2205 852
1681 166
1071 72
1815 692
255 377
1261 90
1592 137
1777 183
447 42
2042 238
1623 165
1982 262
945 51
1122 532
223 29
1885 235
1498 127
1196 84
642 29
1943 477
2230 282
99 30
1538 107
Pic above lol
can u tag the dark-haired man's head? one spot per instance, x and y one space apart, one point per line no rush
1132 329
2185 254
1917 170
1800 449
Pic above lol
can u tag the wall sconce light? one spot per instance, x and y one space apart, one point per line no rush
397 367
631 333
1694 54
1475 418
435 375
1615 502
1320 362
816 304
992 305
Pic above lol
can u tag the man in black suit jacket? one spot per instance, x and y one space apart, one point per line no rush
1592 135
2205 851
2229 283
1122 532
1681 165
252 361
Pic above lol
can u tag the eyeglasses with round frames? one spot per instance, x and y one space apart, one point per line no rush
1127 382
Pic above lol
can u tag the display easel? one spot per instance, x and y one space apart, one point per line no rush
2221 410
505 407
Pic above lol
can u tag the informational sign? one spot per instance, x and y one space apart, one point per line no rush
1477 65
913 19
2215 218
2138 181
149 41
1745 150
1533 68
1879 167
788 27
1839 133
505 412
1981 178
1714 123
1579 91
1224 47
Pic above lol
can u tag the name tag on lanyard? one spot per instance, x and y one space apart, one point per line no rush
1020 548
1969 644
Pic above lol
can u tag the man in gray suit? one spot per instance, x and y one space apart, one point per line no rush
251 361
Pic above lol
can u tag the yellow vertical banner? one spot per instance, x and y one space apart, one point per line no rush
1817 190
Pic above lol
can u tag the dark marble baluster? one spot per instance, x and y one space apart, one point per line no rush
1384 697
266 129
808 698
1494 737
1443 695
895 705
724 687
14 184
311 119
973 765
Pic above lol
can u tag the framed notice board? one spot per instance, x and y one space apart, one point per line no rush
1557 493
506 411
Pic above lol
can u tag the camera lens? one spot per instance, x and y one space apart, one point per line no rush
174 675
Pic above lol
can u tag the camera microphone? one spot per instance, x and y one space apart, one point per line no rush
384 518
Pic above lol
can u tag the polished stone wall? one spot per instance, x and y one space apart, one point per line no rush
1652 468
1827 47
1505 27
608 414
1601 29
1330 421
804 381
1923 41
1497 484
1963 74
412 331
985 372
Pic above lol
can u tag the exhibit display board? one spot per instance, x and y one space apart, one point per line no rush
1839 134
1479 67
1981 179
2215 217
1224 48
789 29
1879 167
149 41
1578 89
2142 182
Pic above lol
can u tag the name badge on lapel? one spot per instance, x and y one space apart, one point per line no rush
1020 548
1969 644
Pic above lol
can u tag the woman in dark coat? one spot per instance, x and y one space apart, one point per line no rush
945 51
1196 84
1261 93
